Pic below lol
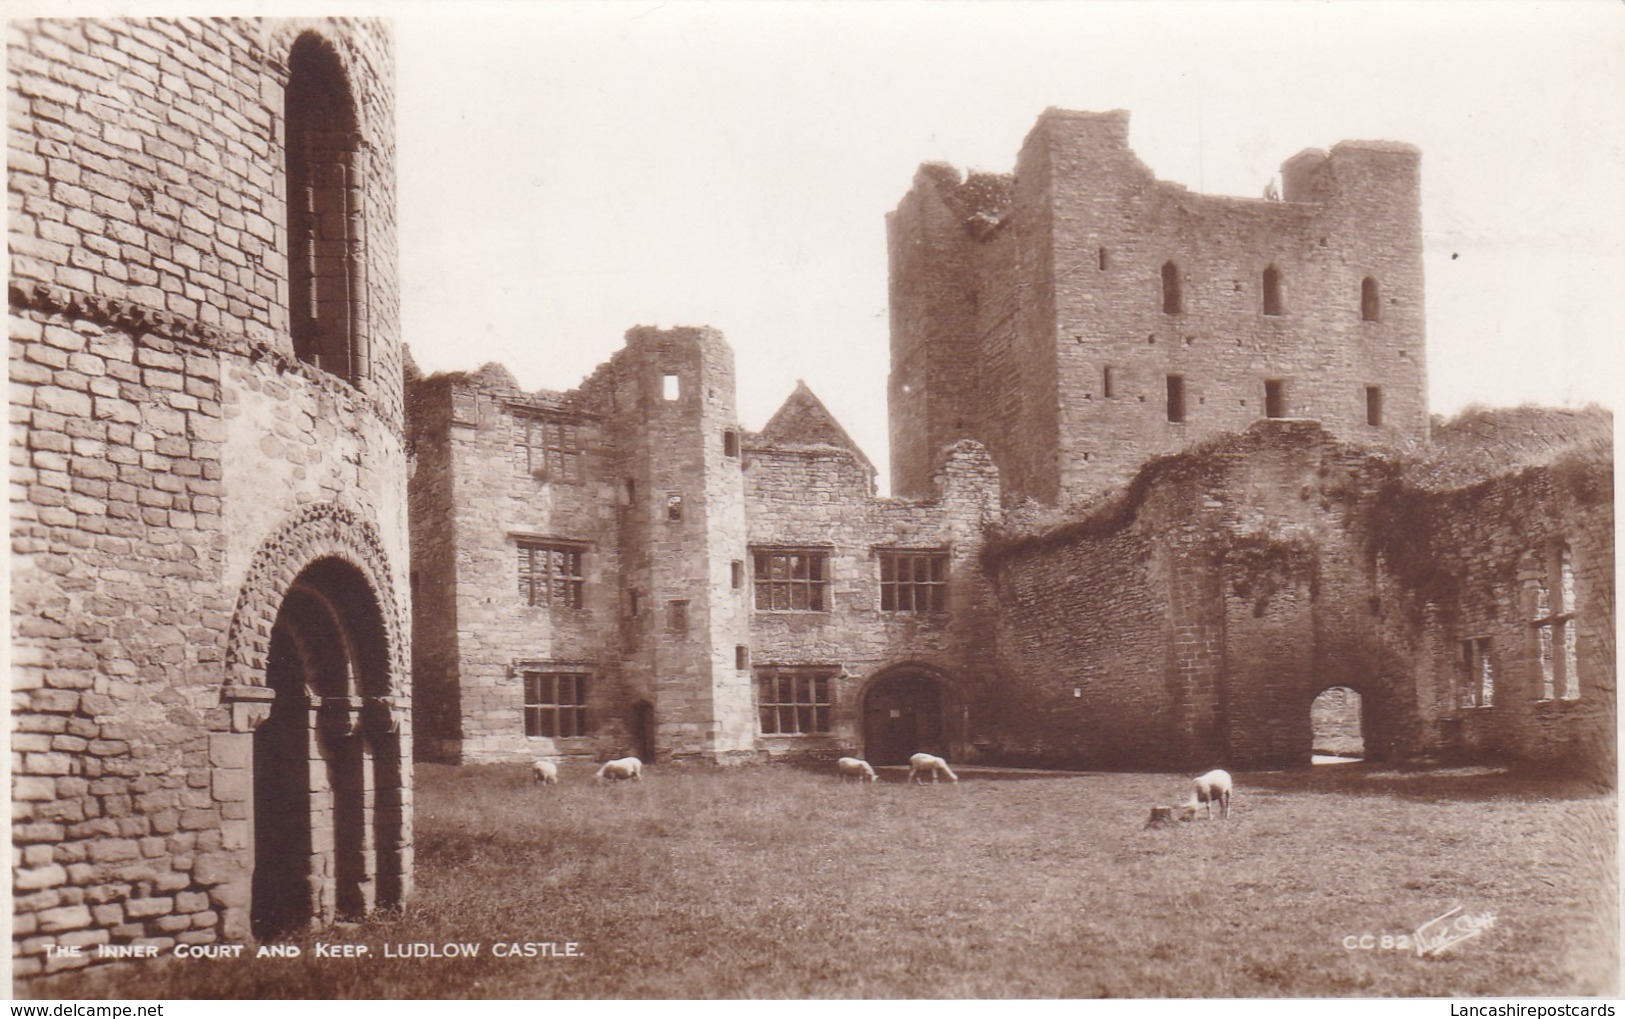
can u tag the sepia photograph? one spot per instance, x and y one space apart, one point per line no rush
814 500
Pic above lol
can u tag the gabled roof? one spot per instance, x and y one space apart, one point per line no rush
803 420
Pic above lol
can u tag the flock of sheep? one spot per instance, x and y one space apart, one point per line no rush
1206 790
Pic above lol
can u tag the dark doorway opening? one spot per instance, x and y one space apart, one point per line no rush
318 770
643 731
903 716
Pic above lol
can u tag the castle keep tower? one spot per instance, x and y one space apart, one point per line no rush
1080 316
209 576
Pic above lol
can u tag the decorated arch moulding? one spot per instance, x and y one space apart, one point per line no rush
318 531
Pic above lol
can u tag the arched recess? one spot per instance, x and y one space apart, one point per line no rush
1338 724
325 166
318 743
910 708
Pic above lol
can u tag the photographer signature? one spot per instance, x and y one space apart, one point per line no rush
1441 932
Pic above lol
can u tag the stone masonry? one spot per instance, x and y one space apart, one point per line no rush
646 473
1079 316
1192 409
211 737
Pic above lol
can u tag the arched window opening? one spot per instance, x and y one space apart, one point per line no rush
1370 300
1272 291
1103 260
1172 302
326 171
1336 718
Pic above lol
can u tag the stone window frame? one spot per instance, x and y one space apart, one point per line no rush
1550 589
1176 399
1373 406
565 714
1275 398
1173 296
1370 300
325 180
1475 673
1273 294
796 700
566 575
805 587
897 590
553 445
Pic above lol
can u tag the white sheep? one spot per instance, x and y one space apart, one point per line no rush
935 765
545 772
625 767
1215 785
856 768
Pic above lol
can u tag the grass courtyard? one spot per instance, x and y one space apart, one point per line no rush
784 882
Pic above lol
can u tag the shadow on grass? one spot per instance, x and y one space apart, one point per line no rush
1430 783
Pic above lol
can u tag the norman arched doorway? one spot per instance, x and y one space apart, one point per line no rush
1337 723
321 759
906 710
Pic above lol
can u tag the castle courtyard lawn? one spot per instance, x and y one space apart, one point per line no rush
782 882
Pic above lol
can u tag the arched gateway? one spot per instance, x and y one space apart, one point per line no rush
317 663
908 709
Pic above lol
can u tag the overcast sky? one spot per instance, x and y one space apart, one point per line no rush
568 171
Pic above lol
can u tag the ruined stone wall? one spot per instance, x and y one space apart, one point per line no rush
818 498
1497 545
432 495
1067 288
174 466
1194 619
481 494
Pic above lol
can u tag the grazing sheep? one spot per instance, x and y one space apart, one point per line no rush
935 765
625 767
546 772
857 769
1215 785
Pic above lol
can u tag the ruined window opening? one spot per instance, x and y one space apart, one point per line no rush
1108 382
553 448
1176 398
1104 261
1370 301
1373 406
741 657
736 570
677 618
1274 398
1172 303
671 387
674 507
1477 674
730 442
550 574
1272 291
634 603
795 581
555 704
1553 597
795 701
325 169
914 581
631 491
